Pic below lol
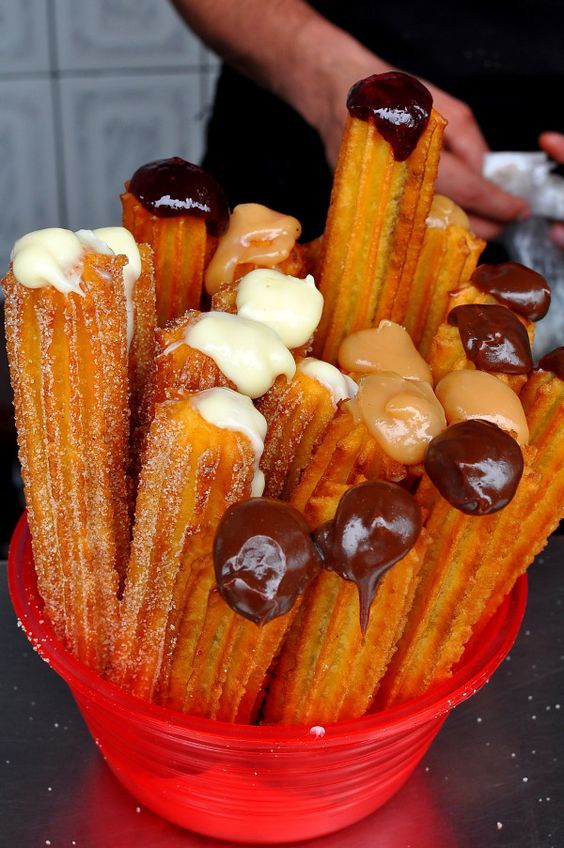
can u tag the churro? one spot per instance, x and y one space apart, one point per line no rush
66 330
382 193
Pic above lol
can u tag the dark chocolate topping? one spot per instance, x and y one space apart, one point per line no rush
376 524
475 465
264 558
493 338
522 289
173 187
554 361
398 104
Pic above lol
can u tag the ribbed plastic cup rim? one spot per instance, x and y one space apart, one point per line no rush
479 662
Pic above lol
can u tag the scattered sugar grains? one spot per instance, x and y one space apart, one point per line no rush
499 825
317 731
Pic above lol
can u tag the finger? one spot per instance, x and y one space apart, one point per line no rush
485 228
553 144
476 194
556 233
464 137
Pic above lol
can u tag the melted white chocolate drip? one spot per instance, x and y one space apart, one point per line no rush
232 411
338 384
50 257
249 354
119 241
288 305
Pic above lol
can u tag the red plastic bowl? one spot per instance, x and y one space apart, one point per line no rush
257 784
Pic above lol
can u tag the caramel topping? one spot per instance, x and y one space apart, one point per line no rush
376 524
257 235
387 347
554 361
264 558
402 415
493 338
171 187
516 286
445 213
399 106
475 466
475 394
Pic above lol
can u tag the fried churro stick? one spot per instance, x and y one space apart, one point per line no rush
382 193
221 660
448 257
298 414
446 352
180 211
473 562
193 470
328 670
348 454
68 359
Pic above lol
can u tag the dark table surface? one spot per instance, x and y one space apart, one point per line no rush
494 776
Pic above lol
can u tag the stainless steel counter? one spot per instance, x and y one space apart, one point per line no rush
494 776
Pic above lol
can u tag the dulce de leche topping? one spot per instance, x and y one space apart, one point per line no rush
376 524
257 235
290 306
554 361
522 289
399 106
264 558
475 394
475 466
250 354
493 338
445 212
171 187
402 415
387 347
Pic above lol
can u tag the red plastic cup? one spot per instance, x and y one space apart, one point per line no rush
257 784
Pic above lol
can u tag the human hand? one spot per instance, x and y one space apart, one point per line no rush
553 144
460 171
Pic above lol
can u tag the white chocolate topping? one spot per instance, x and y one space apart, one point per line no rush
255 234
50 257
249 354
445 212
232 411
339 385
402 415
290 306
119 241
387 347
476 394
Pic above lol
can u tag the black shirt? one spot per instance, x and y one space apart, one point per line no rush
505 58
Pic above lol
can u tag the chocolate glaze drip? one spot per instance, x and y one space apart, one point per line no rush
475 465
493 338
554 361
171 187
264 558
376 524
398 104
516 286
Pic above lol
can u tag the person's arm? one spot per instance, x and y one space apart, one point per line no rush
292 51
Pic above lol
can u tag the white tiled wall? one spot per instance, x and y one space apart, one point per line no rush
89 90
